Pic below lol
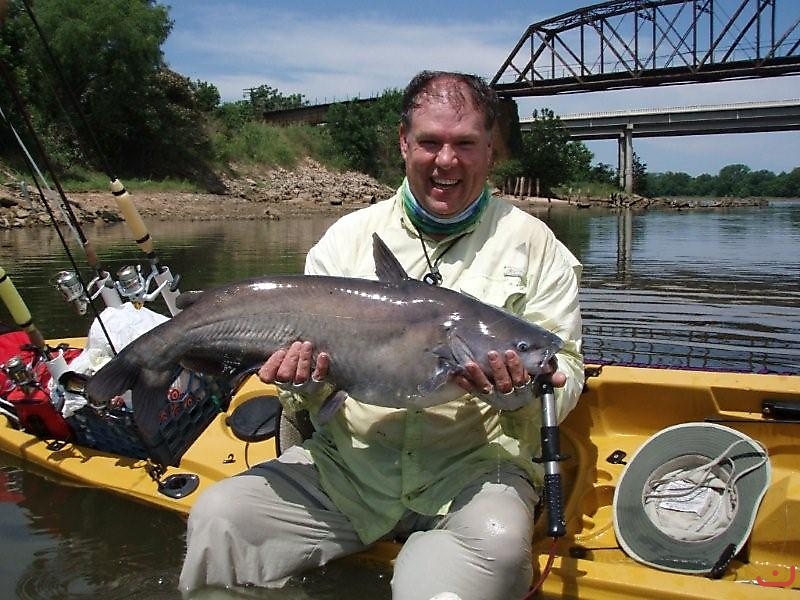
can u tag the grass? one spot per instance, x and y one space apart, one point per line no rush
266 145
96 182
254 144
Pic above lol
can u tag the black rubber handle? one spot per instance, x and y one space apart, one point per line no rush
556 525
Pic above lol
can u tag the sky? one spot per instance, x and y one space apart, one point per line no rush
330 50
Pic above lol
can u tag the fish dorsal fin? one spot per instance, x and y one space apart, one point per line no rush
387 267
186 299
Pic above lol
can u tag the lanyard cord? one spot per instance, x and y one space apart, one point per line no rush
433 277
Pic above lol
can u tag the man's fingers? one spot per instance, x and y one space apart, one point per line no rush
303 367
558 379
269 369
516 369
321 367
477 378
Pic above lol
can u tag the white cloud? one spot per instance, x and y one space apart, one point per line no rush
331 57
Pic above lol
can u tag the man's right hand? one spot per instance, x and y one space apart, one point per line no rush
292 365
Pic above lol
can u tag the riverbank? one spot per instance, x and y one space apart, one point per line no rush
278 193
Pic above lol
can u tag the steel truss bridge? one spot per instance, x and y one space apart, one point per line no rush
636 43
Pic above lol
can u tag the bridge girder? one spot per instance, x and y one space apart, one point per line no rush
638 43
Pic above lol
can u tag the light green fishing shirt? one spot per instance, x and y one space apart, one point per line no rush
377 463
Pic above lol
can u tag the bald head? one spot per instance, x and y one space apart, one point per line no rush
459 90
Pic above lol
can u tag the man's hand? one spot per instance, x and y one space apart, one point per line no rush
508 373
292 365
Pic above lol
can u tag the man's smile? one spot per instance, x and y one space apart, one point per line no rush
444 183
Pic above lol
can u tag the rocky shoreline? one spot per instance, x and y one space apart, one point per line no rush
309 188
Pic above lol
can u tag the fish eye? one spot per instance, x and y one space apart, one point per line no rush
522 346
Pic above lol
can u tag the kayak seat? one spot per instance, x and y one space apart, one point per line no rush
256 420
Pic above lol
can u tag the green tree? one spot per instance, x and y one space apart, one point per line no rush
702 185
732 180
579 161
545 154
365 135
145 118
265 99
602 173
639 176
206 95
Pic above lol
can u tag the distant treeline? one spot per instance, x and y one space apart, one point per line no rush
733 180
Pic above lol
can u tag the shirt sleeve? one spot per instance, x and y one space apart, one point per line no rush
552 302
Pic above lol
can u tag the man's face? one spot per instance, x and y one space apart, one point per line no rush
447 150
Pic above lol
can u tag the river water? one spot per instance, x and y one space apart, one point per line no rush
704 289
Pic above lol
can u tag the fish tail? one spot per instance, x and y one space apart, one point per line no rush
113 379
148 387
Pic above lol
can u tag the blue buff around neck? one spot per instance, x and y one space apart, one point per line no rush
425 221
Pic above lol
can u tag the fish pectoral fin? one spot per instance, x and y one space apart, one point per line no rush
459 349
331 406
444 352
440 377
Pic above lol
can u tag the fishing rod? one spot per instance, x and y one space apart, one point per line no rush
17 370
70 284
553 489
131 286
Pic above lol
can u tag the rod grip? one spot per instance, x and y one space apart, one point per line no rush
132 217
556 524
19 310
13 301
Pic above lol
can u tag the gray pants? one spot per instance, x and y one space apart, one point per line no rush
274 521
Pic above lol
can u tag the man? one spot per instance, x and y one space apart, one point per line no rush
455 481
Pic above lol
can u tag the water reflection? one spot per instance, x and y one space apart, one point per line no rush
62 541
699 289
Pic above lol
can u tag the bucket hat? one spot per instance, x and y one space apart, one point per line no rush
687 499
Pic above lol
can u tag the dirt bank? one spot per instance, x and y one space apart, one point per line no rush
307 189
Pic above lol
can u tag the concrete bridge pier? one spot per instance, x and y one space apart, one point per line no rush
625 164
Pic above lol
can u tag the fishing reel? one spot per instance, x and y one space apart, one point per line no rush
19 372
133 286
69 284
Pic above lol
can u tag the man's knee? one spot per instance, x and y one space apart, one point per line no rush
214 504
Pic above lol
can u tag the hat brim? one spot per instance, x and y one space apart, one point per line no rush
641 539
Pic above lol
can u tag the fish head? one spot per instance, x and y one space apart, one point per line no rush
474 339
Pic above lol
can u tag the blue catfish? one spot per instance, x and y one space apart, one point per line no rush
395 342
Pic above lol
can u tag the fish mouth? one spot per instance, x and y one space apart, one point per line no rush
549 363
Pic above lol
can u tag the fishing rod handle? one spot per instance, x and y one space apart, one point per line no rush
551 455
556 522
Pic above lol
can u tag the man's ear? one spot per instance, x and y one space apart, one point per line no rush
403 141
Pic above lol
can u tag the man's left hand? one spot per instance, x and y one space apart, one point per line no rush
508 373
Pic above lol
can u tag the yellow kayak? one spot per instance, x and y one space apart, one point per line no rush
621 409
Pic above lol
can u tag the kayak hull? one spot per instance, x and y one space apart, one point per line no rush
619 410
